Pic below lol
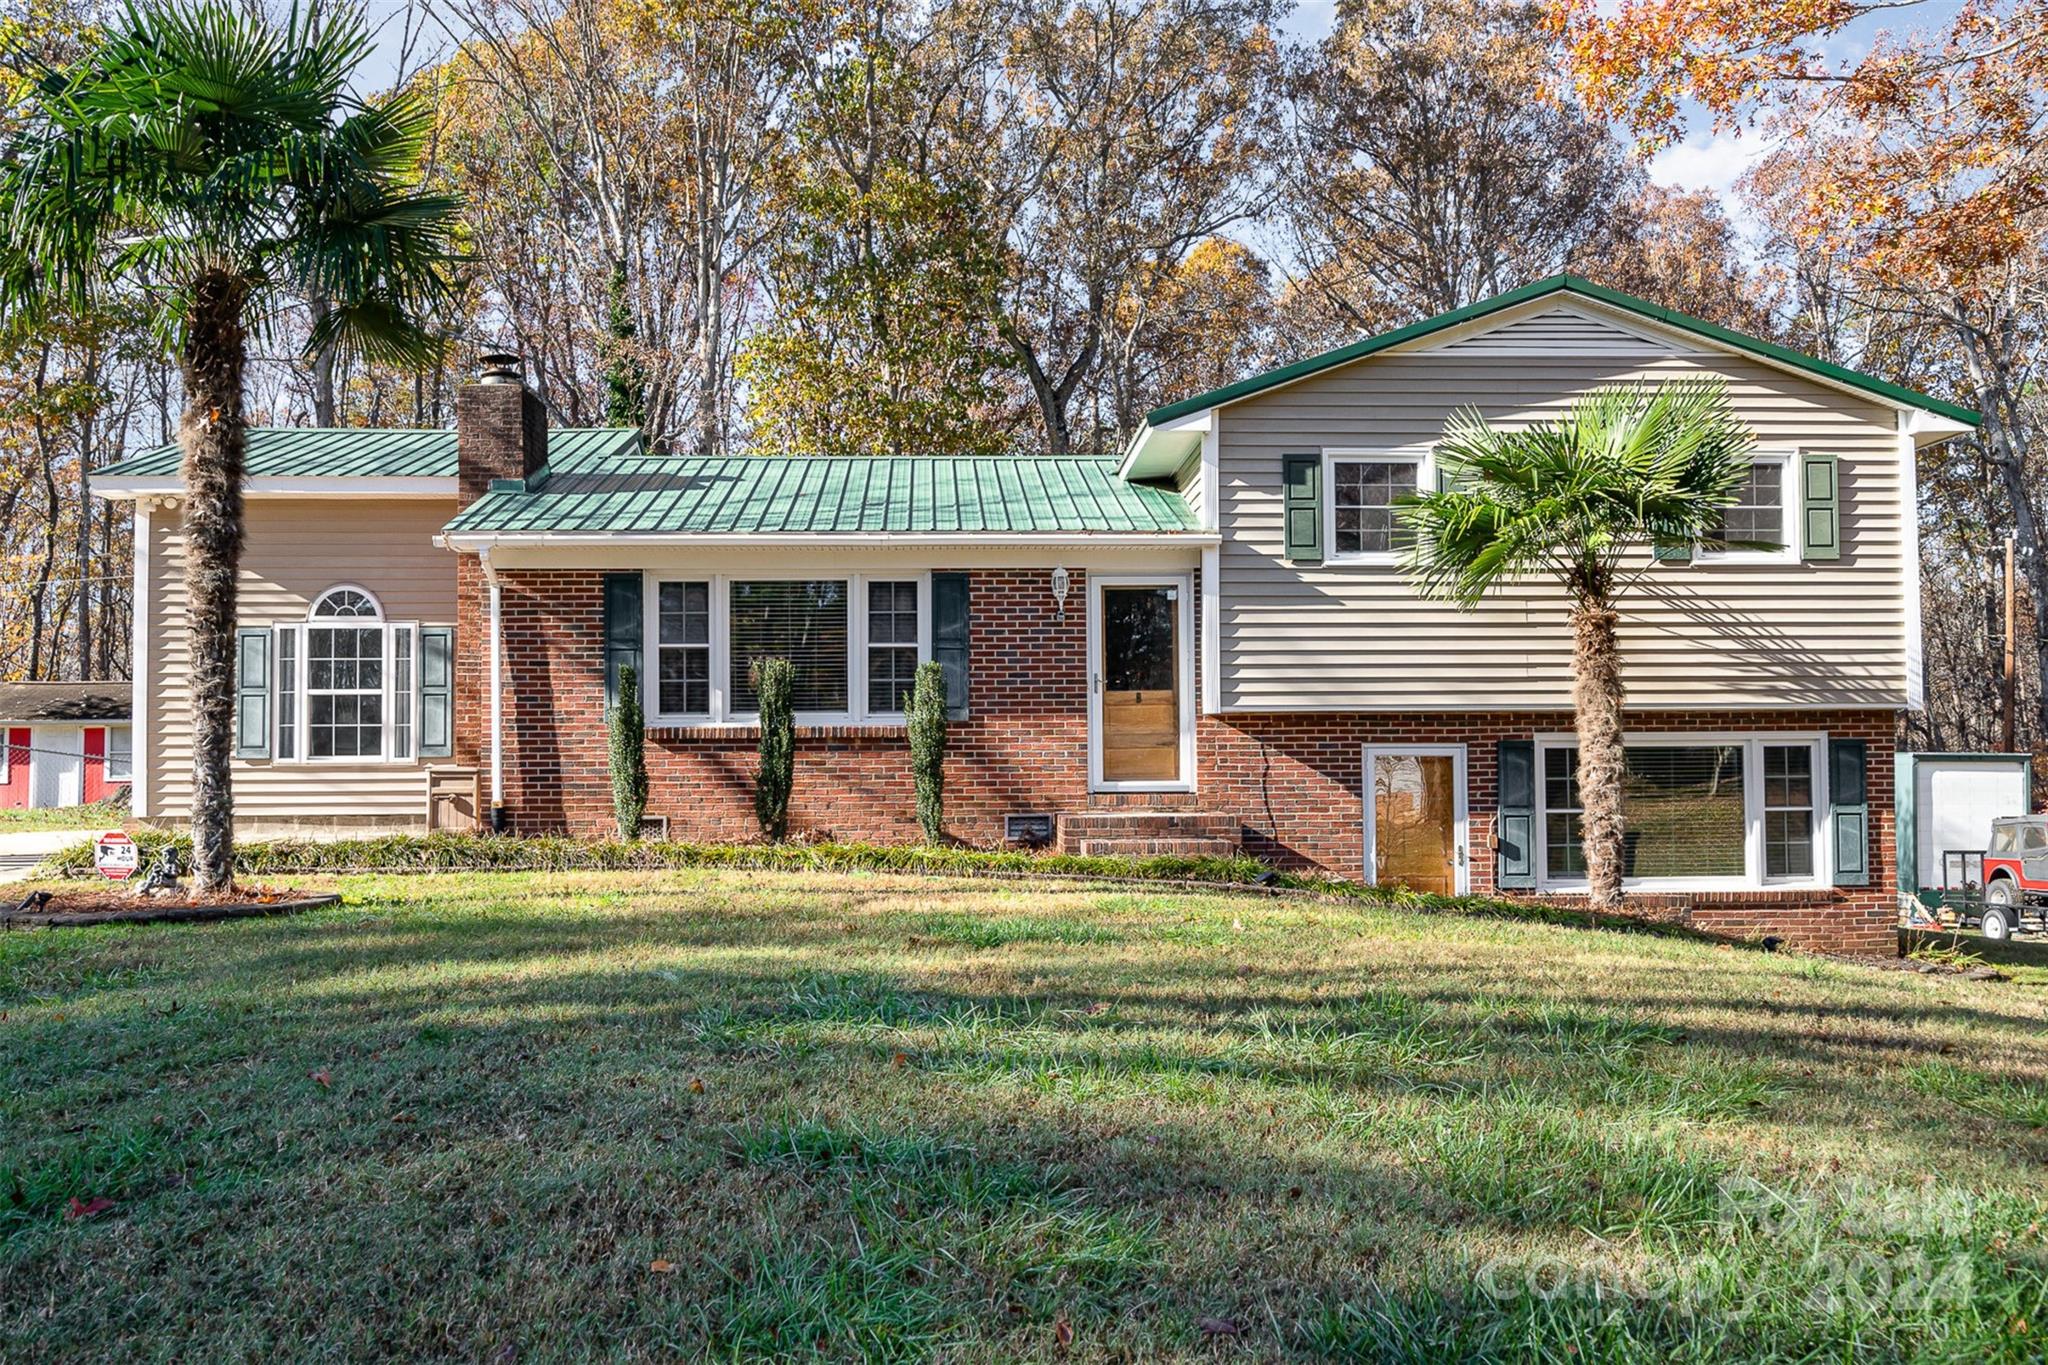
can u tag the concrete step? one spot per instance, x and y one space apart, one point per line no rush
1149 848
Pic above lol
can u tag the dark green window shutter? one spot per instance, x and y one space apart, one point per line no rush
949 638
1514 823
252 692
622 634
1849 810
1301 489
437 691
1820 506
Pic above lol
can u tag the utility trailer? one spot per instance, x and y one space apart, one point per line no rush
2002 890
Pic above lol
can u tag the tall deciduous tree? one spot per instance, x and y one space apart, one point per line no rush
885 269
614 156
1581 499
216 165
1436 163
1145 128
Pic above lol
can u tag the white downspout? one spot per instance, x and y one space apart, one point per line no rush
497 697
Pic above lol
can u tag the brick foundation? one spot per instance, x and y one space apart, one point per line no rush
1293 781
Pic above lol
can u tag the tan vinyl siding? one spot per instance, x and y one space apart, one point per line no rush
297 549
1340 636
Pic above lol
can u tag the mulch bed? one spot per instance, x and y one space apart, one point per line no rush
67 909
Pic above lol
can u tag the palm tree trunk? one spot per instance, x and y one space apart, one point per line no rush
1597 695
212 438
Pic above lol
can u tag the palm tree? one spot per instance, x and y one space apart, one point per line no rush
1584 499
215 167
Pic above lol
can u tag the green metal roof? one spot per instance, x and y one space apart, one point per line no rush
599 491
359 453
1557 284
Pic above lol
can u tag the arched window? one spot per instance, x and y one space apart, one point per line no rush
345 685
345 602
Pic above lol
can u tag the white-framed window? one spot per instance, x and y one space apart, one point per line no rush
345 683
855 641
682 636
1365 486
893 631
1704 812
119 765
1762 526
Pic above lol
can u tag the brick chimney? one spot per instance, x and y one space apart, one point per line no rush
501 429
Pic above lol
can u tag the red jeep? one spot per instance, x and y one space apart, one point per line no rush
2015 876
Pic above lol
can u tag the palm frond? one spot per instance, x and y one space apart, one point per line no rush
1627 466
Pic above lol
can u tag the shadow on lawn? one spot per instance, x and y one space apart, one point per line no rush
858 1179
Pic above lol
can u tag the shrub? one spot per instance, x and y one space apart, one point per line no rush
774 681
628 754
927 720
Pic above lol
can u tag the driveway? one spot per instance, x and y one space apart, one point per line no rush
21 852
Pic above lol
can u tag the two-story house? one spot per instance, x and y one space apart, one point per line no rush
1207 643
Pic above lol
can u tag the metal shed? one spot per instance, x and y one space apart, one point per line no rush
1945 802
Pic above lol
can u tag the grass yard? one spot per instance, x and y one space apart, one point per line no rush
730 1114
95 818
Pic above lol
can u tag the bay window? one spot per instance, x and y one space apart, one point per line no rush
854 642
1710 811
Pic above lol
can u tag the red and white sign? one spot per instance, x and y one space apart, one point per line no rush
116 856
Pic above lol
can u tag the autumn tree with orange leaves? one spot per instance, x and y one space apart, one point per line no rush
1912 178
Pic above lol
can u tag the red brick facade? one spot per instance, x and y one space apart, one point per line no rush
1293 781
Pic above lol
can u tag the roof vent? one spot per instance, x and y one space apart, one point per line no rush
499 367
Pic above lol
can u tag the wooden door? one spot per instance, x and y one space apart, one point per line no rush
1416 821
1141 682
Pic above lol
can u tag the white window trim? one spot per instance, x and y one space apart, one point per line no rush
1422 457
1753 878
1788 518
1456 753
6 755
107 773
388 631
722 713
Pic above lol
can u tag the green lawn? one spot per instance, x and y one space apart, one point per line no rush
95 818
745 1114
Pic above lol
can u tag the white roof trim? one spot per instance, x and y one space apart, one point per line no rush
282 486
483 540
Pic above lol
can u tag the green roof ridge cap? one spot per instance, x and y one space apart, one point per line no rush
1553 284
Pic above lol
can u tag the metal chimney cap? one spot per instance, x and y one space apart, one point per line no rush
500 367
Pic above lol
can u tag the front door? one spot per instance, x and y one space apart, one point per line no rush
1415 817
58 767
1140 684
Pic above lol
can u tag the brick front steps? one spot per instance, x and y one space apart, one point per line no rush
1139 832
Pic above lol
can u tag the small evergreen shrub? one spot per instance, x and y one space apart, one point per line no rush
774 683
628 736
927 720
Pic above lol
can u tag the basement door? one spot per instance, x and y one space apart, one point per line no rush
1141 714
1415 817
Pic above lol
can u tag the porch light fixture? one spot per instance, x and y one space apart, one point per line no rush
1059 594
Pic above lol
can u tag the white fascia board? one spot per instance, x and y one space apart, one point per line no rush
283 486
872 540
1155 452
1909 480
1925 428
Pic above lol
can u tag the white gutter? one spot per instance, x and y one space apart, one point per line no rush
283 486
1079 540
497 696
